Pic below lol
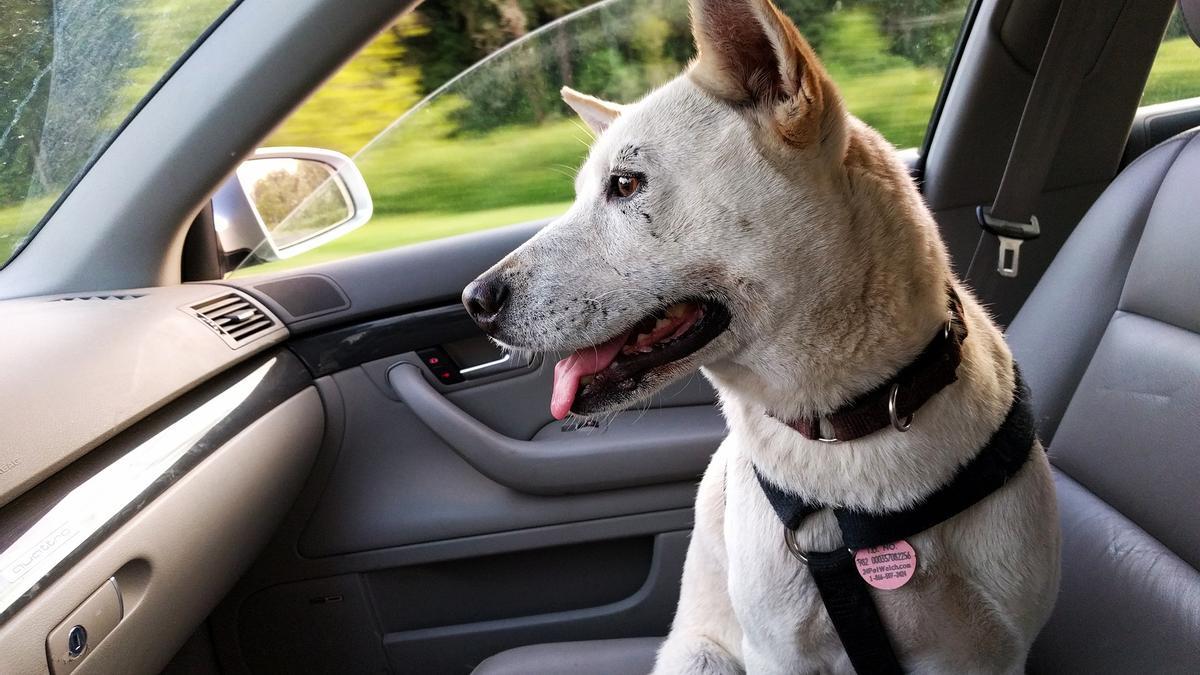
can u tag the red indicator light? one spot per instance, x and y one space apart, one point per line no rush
433 360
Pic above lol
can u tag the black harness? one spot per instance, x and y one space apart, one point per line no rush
845 594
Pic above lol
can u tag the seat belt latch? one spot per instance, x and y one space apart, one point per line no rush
1011 235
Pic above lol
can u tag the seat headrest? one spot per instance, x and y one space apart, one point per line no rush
1190 9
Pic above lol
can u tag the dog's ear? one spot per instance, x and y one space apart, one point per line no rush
596 113
750 53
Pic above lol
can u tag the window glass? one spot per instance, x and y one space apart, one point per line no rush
1175 74
454 116
70 73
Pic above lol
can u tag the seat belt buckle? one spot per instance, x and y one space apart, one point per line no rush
1011 235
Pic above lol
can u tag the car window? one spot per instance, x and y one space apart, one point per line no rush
1175 74
71 71
454 118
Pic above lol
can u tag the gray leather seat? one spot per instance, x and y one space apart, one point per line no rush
1110 344
590 657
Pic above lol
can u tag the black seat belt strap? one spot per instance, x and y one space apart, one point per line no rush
853 613
1076 40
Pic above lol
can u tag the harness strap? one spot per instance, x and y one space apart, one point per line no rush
843 592
855 618
1003 456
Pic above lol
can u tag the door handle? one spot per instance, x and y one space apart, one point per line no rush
656 446
504 363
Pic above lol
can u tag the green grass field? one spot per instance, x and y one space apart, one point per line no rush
1175 73
389 231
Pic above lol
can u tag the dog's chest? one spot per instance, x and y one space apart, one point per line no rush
776 602
784 624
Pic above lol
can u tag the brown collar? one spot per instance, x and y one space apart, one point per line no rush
894 402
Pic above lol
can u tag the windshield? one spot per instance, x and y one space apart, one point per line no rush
71 72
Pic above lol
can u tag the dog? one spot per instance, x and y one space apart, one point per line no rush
739 220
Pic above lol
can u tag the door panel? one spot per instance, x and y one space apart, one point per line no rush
449 520
397 483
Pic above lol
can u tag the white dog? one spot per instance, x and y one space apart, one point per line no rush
740 220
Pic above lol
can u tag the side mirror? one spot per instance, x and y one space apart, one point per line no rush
282 202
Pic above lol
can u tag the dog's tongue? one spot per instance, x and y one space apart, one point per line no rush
568 372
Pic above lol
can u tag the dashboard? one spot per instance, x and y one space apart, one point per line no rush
150 442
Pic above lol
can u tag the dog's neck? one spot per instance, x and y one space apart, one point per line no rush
886 469
860 332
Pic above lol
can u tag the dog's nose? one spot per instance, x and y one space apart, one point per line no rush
484 299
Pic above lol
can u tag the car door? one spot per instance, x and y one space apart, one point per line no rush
449 516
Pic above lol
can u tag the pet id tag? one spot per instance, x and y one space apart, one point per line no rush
887 567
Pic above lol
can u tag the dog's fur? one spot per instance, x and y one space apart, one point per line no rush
763 193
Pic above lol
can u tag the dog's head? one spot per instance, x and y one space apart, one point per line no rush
707 218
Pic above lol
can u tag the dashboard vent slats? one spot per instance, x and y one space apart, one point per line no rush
79 298
234 317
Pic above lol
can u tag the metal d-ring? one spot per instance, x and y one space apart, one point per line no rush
789 539
821 436
896 423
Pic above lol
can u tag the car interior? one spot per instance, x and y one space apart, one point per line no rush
328 468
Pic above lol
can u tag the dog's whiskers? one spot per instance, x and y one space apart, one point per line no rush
586 130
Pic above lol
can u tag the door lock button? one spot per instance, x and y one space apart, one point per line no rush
441 365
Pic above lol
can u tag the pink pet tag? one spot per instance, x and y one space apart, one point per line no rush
887 567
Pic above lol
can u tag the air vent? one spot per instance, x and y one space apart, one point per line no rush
234 318
80 298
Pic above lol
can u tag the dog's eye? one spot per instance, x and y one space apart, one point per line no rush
623 186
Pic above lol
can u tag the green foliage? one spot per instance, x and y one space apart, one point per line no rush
70 73
295 199
921 31
25 54
885 90
370 92
497 142
496 145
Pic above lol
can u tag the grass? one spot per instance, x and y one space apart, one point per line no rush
1175 74
390 231
16 222
424 167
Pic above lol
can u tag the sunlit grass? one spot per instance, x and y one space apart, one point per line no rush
16 222
422 169
1175 74
384 232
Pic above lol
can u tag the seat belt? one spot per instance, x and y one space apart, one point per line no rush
1080 31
